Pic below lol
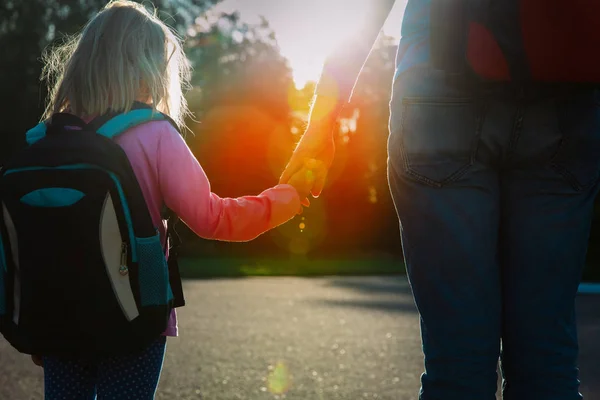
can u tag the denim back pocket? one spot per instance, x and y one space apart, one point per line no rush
436 140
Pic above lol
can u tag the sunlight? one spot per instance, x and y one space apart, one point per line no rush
308 30
331 22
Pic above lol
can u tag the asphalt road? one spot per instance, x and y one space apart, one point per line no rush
297 339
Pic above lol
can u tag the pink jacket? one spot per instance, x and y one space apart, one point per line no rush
168 173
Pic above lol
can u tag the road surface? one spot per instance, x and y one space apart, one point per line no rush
297 339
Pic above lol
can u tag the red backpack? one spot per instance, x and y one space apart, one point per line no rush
518 40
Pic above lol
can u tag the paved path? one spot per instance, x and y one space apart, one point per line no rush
321 339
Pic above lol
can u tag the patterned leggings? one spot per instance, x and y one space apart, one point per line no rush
131 378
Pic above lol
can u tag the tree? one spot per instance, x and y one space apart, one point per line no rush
29 26
243 87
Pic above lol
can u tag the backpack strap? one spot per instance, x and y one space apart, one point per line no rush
54 125
112 124
174 240
36 133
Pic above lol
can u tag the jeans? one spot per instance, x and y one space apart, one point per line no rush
494 188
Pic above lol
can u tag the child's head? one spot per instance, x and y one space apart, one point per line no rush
124 54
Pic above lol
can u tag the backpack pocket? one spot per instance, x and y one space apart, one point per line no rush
153 272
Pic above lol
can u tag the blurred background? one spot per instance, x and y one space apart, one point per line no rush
255 66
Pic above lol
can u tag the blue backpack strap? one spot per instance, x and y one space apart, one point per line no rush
36 133
109 125
52 126
112 125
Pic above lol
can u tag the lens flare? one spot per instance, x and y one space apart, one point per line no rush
372 194
305 233
299 246
279 380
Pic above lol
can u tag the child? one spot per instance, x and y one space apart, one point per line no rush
124 55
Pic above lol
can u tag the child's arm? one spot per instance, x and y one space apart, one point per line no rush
186 190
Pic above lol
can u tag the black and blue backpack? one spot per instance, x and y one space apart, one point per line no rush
83 271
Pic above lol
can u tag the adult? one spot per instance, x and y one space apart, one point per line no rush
494 184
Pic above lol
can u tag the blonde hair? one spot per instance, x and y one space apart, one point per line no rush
124 54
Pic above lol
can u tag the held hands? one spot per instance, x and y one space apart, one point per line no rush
304 179
310 162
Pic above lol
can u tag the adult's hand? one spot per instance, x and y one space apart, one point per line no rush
316 144
334 88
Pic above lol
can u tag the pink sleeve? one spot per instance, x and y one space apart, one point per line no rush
186 190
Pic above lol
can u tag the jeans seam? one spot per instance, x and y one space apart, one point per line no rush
516 131
481 112
569 177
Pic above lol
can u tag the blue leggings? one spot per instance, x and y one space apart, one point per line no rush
132 377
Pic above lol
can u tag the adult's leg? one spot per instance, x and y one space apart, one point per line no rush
548 194
447 200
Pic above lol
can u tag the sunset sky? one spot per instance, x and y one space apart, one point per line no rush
308 29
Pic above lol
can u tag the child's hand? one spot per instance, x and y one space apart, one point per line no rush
304 180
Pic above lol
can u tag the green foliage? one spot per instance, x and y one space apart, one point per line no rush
226 266
27 27
236 63
248 117
241 101
242 89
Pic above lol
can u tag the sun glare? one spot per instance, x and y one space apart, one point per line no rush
308 30
315 32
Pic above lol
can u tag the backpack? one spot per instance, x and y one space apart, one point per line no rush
82 267
522 41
